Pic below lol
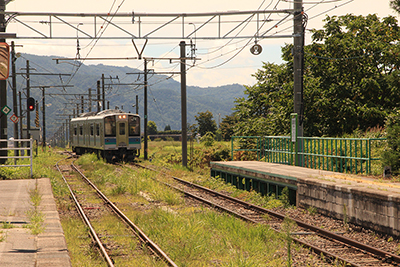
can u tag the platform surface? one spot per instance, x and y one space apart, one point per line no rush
18 246
382 186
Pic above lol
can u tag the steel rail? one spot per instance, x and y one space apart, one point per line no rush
86 220
142 235
321 232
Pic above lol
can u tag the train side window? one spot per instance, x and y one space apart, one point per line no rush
75 130
98 129
122 128
91 130
80 129
110 126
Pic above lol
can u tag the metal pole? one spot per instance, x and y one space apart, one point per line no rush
28 113
14 90
82 105
44 117
28 94
298 44
183 102
3 93
145 110
20 112
90 100
103 91
98 96
137 104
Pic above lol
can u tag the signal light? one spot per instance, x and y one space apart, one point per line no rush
30 103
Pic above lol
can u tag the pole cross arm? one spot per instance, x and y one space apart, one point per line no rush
161 26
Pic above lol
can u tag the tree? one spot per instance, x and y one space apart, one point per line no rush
167 128
355 61
350 81
151 127
395 4
227 125
205 123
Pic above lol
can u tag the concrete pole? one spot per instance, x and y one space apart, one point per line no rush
44 116
103 91
98 96
183 102
298 44
28 94
14 90
145 155
3 93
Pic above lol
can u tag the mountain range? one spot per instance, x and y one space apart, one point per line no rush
164 94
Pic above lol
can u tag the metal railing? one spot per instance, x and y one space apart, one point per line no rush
29 146
347 155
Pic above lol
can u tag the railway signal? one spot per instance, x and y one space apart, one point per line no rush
30 103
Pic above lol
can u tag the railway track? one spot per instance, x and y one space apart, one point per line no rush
335 247
114 250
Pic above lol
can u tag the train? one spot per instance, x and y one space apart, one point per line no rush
111 134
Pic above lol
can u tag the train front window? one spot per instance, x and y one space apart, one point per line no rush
110 126
122 128
133 125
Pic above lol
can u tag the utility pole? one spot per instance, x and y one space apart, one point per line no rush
103 91
298 56
20 112
98 96
183 102
137 104
145 110
28 94
90 100
3 91
14 91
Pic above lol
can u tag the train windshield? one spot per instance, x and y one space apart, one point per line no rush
134 126
110 126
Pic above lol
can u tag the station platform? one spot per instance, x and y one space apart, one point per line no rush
372 203
18 246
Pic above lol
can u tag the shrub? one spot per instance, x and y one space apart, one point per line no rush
391 153
208 139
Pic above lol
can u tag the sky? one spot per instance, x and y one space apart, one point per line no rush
210 69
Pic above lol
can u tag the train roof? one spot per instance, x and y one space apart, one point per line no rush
100 115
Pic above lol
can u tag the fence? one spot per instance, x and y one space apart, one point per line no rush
28 142
350 155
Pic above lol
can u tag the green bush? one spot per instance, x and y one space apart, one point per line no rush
208 139
391 153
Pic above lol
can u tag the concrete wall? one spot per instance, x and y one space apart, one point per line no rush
368 207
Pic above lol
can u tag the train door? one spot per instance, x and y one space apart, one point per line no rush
122 133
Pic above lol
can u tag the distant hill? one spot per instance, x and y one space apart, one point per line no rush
164 105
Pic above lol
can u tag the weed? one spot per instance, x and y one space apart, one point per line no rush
7 225
36 217
3 236
312 210
288 227
284 197
345 219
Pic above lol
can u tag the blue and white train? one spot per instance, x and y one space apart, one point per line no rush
112 134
